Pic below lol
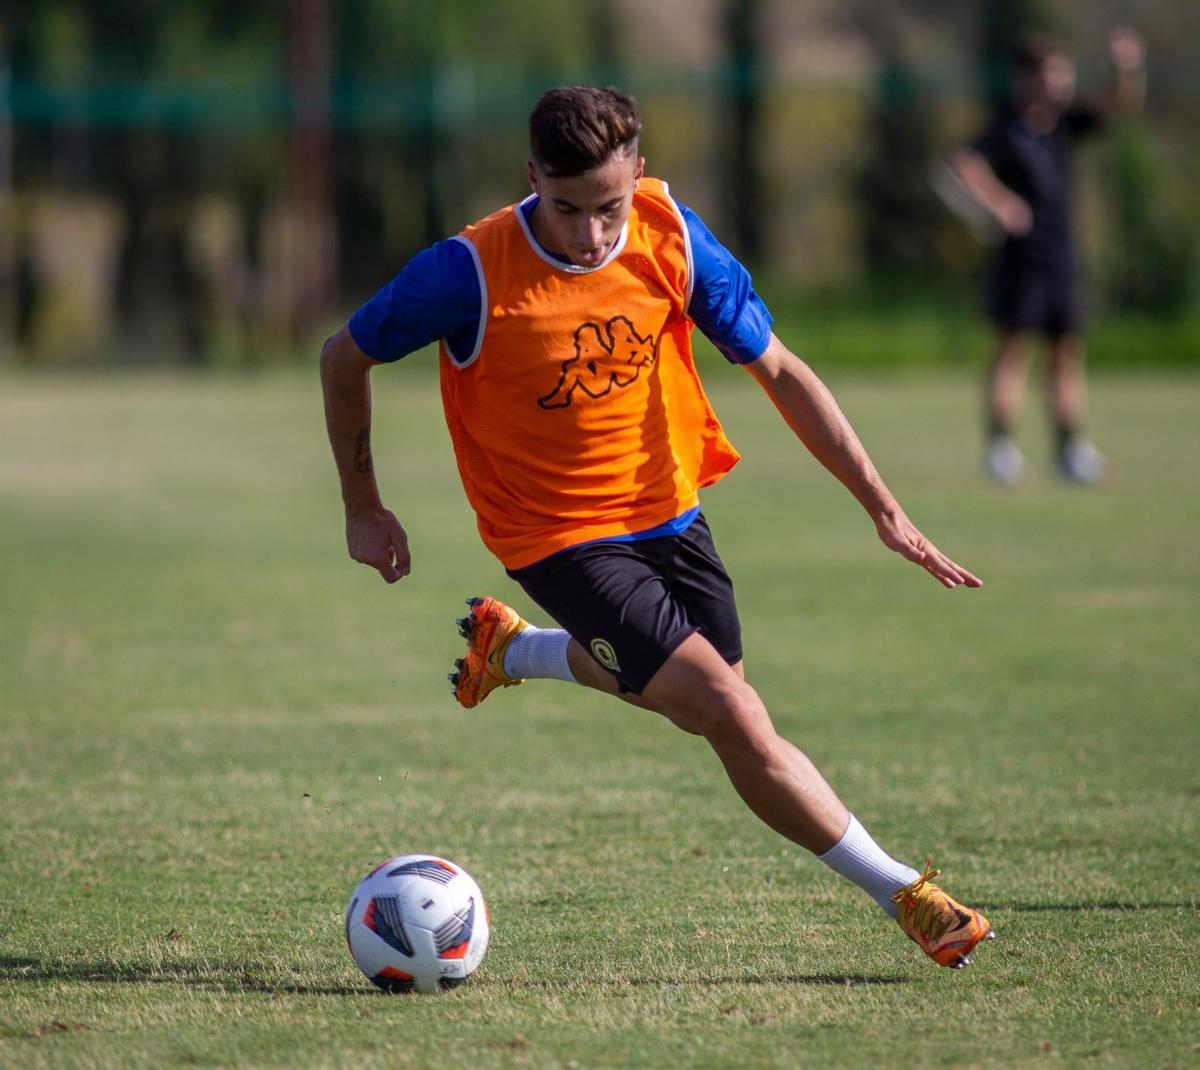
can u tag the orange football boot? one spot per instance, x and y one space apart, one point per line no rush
488 629
941 926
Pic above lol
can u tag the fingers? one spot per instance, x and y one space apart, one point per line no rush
910 543
390 572
384 562
946 572
968 579
392 562
395 562
400 556
378 541
399 565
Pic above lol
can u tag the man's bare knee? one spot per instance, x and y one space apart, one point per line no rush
733 719
702 694
744 731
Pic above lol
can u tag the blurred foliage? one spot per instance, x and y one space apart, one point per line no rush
170 129
897 328
900 214
741 160
1155 263
1003 23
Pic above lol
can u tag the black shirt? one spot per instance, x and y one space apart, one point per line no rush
1037 167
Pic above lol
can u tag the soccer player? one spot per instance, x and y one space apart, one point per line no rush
1019 170
583 435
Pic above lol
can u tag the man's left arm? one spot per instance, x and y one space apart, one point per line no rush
812 413
1127 53
1125 95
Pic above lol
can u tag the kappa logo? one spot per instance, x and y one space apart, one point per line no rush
604 358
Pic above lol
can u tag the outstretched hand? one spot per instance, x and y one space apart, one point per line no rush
898 533
375 538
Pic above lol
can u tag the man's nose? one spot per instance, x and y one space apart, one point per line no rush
592 232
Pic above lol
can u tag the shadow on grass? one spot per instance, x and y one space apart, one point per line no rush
840 980
223 977
214 976
666 984
1080 908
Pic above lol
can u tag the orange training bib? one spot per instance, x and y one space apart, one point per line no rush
580 414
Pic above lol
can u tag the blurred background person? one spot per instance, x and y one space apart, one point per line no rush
1020 170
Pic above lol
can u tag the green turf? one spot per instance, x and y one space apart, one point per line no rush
213 723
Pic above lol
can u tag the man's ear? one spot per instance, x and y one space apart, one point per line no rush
639 169
532 173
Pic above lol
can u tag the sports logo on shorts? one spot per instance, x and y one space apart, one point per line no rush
603 652
604 357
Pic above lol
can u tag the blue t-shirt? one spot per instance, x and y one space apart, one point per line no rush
436 296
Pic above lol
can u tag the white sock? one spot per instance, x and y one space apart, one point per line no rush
860 859
539 654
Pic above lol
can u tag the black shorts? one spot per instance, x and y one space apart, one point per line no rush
630 604
1033 296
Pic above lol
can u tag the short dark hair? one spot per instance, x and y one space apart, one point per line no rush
1030 52
575 128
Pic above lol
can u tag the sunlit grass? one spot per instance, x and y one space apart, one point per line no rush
213 723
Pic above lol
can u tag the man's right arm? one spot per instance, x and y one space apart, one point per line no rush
437 294
374 536
1009 209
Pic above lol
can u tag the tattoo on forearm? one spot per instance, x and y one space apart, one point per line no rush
362 450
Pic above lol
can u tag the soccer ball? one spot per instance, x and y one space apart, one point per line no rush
417 923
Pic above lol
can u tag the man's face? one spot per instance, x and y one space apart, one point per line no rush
1051 85
1058 81
581 217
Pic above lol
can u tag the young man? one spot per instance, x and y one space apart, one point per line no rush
1019 170
583 435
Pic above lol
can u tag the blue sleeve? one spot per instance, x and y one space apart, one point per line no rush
724 304
436 295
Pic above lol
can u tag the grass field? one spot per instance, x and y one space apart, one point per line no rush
213 723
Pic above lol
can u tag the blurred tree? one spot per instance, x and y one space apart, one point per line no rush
310 79
1155 263
159 166
898 210
604 31
183 108
439 73
1003 22
120 62
741 158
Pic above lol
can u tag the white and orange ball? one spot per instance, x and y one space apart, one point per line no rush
417 923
